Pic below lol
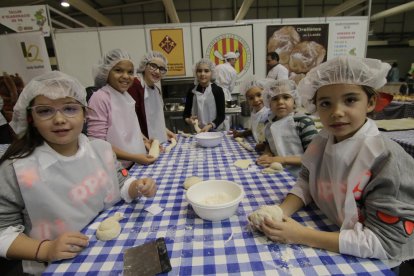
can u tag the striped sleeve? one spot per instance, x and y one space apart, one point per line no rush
306 129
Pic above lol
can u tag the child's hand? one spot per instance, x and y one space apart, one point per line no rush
144 159
260 147
147 143
171 135
287 231
237 134
66 246
146 187
265 160
207 128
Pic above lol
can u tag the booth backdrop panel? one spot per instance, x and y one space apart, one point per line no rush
187 41
77 52
131 39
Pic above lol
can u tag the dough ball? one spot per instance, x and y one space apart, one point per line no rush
305 56
243 163
276 166
271 211
282 42
109 228
190 181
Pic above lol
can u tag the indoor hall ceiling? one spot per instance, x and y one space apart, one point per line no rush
395 28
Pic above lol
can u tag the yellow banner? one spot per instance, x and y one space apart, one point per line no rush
170 43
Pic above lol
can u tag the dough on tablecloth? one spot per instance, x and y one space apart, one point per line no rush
243 163
109 228
275 167
190 181
271 211
171 145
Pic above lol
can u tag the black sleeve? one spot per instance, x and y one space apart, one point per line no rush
220 104
188 104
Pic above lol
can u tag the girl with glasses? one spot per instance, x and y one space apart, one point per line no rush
146 91
114 118
55 180
205 102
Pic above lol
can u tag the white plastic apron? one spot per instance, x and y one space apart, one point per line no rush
204 107
64 194
125 132
339 172
155 115
286 141
258 120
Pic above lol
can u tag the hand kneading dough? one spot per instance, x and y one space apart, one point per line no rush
243 163
171 145
109 228
190 181
275 167
155 149
196 126
271 211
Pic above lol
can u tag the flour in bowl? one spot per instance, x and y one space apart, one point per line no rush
218 198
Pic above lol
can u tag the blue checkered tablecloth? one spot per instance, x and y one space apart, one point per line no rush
405 138
198 247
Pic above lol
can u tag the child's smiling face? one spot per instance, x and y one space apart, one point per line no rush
60 131
203 74
121 76
343 108
254 98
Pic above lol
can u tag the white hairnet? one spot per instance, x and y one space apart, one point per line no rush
230 55
342 69
108 61
54 85
250 82
148 57
211 66
278 87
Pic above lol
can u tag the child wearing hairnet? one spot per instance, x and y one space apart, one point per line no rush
54 180
113 118
253 89
146 92
205 102
361 180
288 133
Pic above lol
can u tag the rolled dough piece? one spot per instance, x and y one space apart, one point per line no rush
190 181
155 148
243 163
186 135
273 212
243 143
171 145
196 126
109 228
276 166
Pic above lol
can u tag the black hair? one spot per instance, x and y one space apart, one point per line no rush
273 55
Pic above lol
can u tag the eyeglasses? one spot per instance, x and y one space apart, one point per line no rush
46 112
153 67
203 70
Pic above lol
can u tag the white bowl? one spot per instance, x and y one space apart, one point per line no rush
209 139
215 199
